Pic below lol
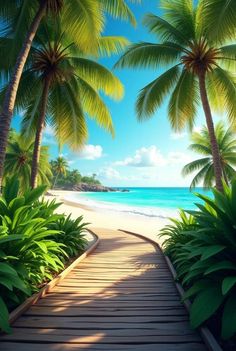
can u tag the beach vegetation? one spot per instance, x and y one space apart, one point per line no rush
65 178
71 234
19 160
198 69
60 87
202 246
200 144
82 21
59 167
35 244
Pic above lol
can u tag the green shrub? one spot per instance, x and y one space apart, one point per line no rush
34 244
202 246
72 234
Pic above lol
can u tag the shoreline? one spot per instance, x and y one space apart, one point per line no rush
103 218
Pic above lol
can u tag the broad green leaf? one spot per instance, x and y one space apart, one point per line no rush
4 317
7 269
227 284
205 305
211 251
227 265
229 318
200 285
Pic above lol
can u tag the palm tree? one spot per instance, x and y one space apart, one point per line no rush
204 166
59 88
82 20
19 158
60 167
200 70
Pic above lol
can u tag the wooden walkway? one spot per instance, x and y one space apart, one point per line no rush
122 297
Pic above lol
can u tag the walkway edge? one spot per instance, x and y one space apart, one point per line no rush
16 313
206 334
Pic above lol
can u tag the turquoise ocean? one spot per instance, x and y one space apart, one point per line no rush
151 202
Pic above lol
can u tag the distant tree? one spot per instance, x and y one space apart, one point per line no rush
90 180
19 158
201 145
59 167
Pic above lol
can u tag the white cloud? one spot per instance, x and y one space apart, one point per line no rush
91 152
144 157
177 136
109 173
152 157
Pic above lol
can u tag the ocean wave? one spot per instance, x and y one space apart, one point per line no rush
151 212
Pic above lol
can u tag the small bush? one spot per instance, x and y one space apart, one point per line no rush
71 234
202 246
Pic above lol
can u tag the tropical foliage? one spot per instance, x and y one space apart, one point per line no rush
59 167
19 160
60 87
33 244
65 178
202 246
200 69
204 166
71 234
81 21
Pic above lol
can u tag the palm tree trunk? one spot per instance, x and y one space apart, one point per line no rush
211 130
39 133
10 96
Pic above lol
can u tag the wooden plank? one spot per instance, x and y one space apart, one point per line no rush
71 311
111 331
93 337
101 303
51 321
10 346
120 297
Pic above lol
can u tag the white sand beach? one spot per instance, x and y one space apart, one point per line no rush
102 218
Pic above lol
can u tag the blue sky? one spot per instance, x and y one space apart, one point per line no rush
146 154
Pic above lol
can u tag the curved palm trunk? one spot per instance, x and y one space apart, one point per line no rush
39 133
211 130
10 96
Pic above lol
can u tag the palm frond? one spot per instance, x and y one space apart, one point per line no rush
119 9
152 96
30 117
227 57
230 172
95 107
209 178
164 30
181 14
67 116
225 83
219 18
183 101
82 21
199 177
196 165
111 45
216 97
149 55
99 77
